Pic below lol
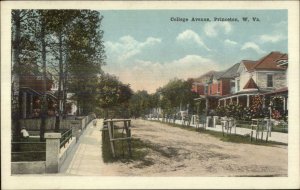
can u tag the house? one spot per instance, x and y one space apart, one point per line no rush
214 85
266 78
279 97
71 105
31 91
201 87
258 77
200 84
223 82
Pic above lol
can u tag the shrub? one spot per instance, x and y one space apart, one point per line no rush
220 111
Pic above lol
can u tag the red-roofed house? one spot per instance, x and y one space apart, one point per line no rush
257 77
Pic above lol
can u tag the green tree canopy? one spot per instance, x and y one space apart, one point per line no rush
175 94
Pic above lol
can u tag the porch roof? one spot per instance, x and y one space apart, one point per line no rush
27 89
244 93
202 97
278 91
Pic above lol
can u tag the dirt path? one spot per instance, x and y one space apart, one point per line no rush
180 152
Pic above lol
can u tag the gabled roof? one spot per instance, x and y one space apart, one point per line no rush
218 74
283 57
248 64
250 84
269 62
209 73
231 72
205 75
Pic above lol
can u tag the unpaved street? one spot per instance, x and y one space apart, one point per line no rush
180 152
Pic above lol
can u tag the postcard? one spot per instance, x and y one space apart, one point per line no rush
153 95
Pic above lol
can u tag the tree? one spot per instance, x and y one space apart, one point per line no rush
177 93
43 22
59 27
140 103
24 57
112 92
66 41
86 57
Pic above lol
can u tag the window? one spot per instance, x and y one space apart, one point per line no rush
219 86
232 86
206 89
238 85
269 80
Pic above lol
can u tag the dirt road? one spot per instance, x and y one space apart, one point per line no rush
180 152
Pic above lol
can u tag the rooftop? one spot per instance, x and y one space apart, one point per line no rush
231 72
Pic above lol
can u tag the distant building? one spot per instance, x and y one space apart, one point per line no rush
200 84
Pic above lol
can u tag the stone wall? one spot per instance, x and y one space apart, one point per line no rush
66 151
34 124
37 167
55 156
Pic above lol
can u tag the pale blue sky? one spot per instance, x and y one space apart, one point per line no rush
146 49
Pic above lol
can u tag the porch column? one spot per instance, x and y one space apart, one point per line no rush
231 100
237 100
30 104
284 102
248 101
24 104
264 101
206 105
219 102
224 102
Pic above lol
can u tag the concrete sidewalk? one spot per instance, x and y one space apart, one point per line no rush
86 156
275 136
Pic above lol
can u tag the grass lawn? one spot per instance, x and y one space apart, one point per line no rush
121 148
275 128
139 150
235 138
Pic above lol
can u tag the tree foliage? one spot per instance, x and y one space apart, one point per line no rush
113 93
140 103
177 94
66 43
86 57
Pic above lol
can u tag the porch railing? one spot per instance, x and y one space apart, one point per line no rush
65 137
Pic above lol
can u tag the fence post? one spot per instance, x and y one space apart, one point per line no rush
215 119
209 121
52 152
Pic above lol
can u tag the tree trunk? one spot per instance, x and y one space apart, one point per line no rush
60 104
44 100
65 84
16 76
